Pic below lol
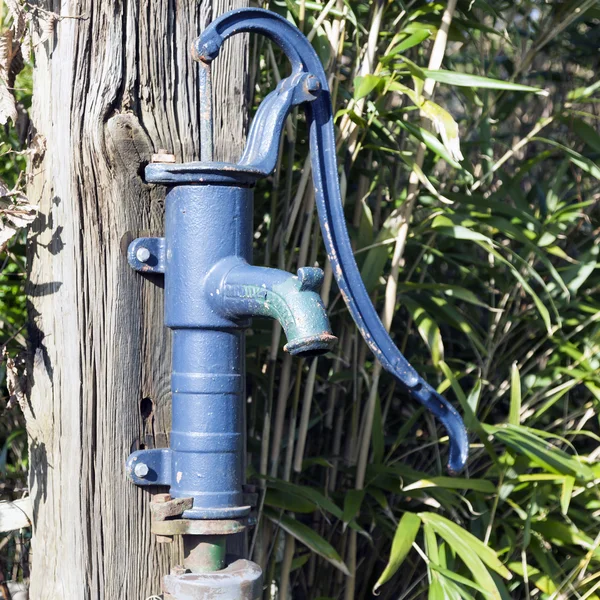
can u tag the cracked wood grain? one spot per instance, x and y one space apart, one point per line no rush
109 89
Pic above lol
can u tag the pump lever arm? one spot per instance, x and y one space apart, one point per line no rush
331 213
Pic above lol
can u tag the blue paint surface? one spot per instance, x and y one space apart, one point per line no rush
211 289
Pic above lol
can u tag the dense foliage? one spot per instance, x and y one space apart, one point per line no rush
495 303
471 182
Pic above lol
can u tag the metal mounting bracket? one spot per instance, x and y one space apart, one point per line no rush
150 467
147 254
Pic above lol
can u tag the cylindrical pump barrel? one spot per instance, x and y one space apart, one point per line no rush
204 224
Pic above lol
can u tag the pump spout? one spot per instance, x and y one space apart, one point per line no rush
240 290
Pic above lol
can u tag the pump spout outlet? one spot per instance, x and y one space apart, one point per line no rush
240 290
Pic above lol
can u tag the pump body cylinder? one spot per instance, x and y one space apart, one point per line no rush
204 225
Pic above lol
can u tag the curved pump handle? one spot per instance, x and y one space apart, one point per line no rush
317 102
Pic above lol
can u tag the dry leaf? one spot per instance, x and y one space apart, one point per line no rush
47 25
8 106
6 233
16 213
15 378
15 8
6 52
19 17
22 215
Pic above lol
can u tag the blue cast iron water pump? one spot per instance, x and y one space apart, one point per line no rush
211 292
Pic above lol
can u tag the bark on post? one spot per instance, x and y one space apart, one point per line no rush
110 88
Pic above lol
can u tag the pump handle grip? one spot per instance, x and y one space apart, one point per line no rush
319 116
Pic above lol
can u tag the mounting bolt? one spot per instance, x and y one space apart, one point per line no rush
142 254
141 470
312 84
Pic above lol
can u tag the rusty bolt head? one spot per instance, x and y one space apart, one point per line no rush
161 498
312 84
163 156
141 470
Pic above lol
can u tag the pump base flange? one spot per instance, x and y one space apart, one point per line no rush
241 580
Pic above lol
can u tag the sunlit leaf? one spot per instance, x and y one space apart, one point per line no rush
428 329
364 85
526 441
566 494
452 483
405 535
476 81
476 555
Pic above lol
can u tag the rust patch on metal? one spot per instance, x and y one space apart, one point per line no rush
199 526
166 507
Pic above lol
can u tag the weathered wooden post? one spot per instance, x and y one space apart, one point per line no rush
110 89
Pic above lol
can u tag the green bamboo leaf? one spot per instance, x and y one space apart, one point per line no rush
445 310
526 441
377 256
518 233
446 227
314 495
472 561
300 561
470 419
436 591
364 85
449 530
365 229
288 501
431 546
476 81
584 163
452 483
472 551
453 591
309 537
473 397
442 120
425 136
504 226
514 417
586 132
566 494
540 306
428 329
583 93
445 125
457 578
561 534
404 537
541 581
352 504
452 291
413 39
575 276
